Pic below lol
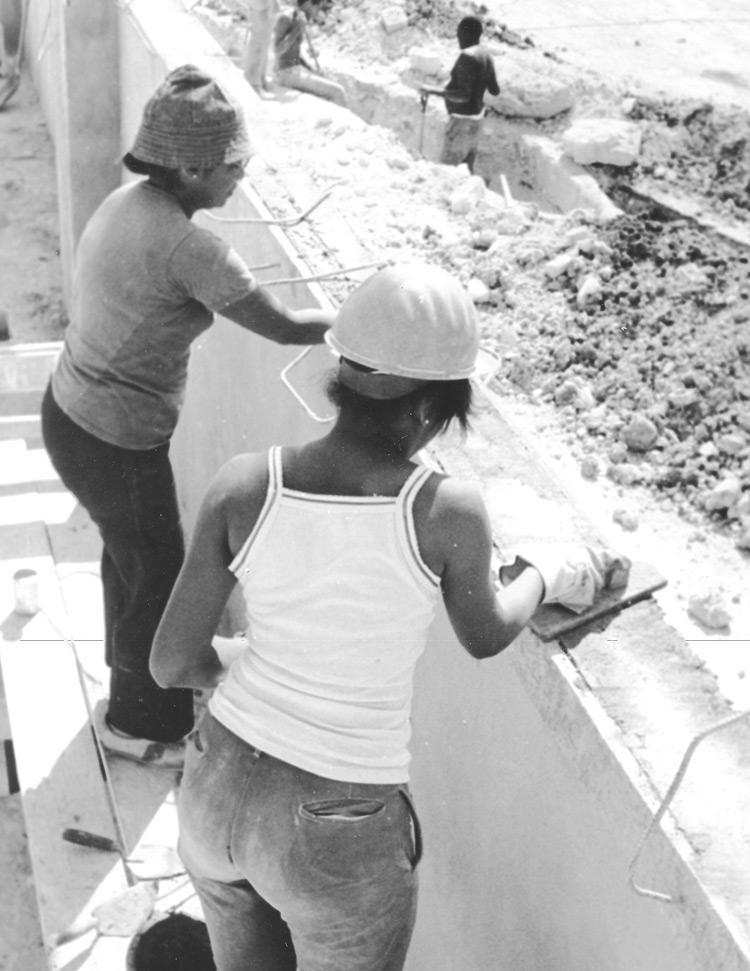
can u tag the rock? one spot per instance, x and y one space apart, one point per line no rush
683 398
691 278
730 444
560 264
478 291
626 520
566 393
466 195
741 509
562 353
393 19
585 399
589 290
425 61
708 609
640 434
618 453
743 540
590 469
604 141
625 474
724 494
578 235
4 326
521 372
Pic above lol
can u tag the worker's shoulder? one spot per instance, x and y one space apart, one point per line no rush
449 496
477 54
242 476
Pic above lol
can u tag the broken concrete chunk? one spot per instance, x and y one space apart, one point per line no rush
467 195
603 141
589 290
478 291
424 61
724 494
708 609
626 520
731 444
393 19
640 434
528 93
560 264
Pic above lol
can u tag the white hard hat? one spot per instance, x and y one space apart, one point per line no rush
413 321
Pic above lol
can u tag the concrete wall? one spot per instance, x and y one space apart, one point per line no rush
74 62
531 803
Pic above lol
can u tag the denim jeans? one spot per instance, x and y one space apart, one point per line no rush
131 497
294 870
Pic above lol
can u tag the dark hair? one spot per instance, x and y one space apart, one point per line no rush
470 30
445 401
168 179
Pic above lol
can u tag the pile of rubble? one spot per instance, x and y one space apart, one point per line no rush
636 328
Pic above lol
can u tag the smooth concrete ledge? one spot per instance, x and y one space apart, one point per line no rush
535 779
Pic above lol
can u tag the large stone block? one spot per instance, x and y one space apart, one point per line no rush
605 141
528 93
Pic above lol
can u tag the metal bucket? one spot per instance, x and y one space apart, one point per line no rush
171 942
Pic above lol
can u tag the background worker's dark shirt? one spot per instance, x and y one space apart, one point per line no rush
472 75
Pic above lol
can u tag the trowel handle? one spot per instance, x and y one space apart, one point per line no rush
93 841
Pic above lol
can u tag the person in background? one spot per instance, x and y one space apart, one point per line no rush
297 825
472 76
147 283
261 17
292 68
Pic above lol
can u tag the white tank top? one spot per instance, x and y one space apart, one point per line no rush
339 602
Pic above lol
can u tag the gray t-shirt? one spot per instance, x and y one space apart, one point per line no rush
147 283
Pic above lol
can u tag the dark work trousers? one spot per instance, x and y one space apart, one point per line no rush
130 495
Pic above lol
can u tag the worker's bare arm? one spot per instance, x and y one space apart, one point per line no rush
458 546
266 316
182 653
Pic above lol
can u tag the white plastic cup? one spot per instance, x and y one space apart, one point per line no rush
26 592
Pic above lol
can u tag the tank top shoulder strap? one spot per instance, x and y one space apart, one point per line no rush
405 503
273 492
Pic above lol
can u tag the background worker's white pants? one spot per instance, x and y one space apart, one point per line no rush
261 18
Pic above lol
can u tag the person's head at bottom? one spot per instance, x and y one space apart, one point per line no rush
192 141
408 342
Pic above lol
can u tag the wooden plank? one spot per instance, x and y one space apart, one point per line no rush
21 947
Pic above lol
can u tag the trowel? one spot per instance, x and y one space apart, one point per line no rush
642 580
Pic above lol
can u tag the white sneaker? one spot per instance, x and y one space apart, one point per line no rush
156 755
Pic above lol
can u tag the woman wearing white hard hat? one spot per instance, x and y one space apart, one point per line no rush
147 283
296 822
